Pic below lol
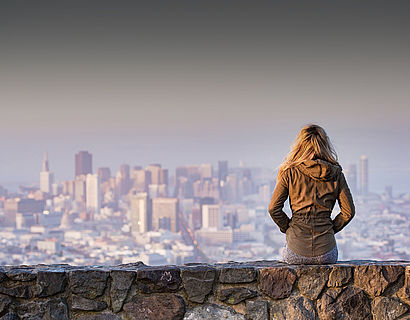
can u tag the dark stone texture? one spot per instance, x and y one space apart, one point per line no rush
387 309
120 285
4 303
213 312
237 274
235 295
158 279
44 310
298 308
374 279
155 307
339 276
80 303
257 310
277 283
9 316
18 291
98 316
349 303
88 283
198 282
50 283
21 274
312 280
404 292
2 275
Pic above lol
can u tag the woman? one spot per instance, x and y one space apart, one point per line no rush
313 180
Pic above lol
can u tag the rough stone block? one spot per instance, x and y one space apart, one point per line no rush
312 280
18 291
257 310
387 309
81 303
158 279
339 276
298 308
120 285
47 310
349 303
277 283
237 274
374 279
50 283
212 312
88 283
155 307
198 282
4 303
235 295
26 274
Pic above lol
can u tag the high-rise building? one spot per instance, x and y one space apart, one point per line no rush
104 173
141 179
93 198
83 163
46 177
165 214
351 177
222 170
206 171
140 212
155 170
364 175
211 216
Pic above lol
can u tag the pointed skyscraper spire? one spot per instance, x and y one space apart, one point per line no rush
45 162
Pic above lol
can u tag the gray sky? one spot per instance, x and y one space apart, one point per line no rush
190 82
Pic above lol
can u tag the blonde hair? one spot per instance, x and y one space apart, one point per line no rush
311 143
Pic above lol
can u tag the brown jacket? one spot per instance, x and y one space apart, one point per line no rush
313 188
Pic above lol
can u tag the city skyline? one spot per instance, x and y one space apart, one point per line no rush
183 82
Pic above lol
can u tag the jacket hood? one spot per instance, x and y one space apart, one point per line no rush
320 169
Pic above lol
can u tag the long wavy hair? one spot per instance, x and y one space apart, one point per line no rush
311 143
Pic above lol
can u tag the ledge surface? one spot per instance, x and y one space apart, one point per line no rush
359 289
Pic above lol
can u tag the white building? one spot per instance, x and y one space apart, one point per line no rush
139 212
46 177
93 201
211 216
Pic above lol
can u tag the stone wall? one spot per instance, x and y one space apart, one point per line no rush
254 290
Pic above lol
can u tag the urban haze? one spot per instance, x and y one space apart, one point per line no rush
194 105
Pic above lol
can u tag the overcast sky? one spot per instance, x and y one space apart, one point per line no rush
190 82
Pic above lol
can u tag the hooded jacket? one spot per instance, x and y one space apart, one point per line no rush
313 188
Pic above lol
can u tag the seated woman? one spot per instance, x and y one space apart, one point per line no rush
313 180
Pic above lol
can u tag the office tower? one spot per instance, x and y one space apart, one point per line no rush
165 214
141 179
46 177
123 180
206 171
155 170
104 174
83 163
79 188
222 170
364 175
211 216
351 177
140 212
93 201
163 176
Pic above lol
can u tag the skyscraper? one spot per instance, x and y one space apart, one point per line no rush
222 170
211 216
364 175
165 214
46 177
140 212
92 194
83 163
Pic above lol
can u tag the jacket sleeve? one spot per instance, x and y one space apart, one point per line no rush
347 209
280 194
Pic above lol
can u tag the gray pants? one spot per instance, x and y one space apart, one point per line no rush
293 258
